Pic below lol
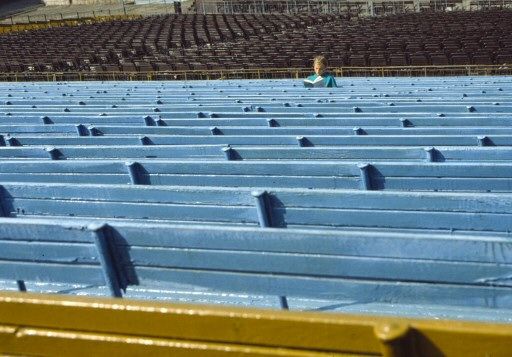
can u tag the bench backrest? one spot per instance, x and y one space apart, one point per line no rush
365 267
496 177
49 253
262 140
410 153
277 207
312 130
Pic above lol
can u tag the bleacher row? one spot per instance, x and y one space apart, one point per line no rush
227 41
389 196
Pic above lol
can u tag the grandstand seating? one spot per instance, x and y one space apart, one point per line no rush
281 262
201 42
228 165
478 177
379 193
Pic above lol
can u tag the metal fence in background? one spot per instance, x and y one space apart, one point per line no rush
260 73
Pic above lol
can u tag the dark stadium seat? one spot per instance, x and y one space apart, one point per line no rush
419 59
398 60
357 60
460 59
185 38
439 59
482 58
377 60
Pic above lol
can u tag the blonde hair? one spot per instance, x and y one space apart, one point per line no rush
320 60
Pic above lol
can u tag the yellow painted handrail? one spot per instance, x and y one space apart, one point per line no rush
258 73
58 325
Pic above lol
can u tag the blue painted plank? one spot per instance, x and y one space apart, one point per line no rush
417 201
414 245
329 288
348 140
420 245
61 252
329 265
43 230
124 193
51 272
391 218
443 184
70 178
414 201
284 168
168 212
447 153
153 151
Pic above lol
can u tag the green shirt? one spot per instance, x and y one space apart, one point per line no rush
329 80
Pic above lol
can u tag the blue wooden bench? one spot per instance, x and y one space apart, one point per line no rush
355 247
45 252
263 140
423 268
113 151
296 131
265 119
366 107
274 207
311 130
371 153
280 173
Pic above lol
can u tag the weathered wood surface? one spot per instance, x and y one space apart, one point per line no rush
347 172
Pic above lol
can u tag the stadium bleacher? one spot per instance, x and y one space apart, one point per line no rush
233 41
255 217
392 199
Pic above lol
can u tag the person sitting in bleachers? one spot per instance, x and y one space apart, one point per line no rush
321 78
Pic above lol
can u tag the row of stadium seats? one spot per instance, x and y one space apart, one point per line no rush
201 42
262 193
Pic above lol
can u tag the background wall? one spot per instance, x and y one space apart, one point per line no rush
8 7
81 2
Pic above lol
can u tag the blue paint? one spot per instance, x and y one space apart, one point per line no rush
263 208
135 170
431 154
182 221
106 255
366 178
54 153
82 130
21 285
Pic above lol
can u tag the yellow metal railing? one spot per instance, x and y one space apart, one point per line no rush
257 73
58 325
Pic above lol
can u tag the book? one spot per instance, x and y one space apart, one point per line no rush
317 82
